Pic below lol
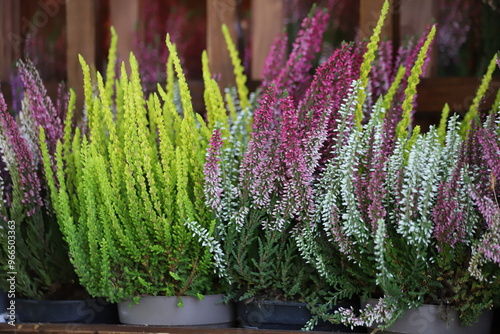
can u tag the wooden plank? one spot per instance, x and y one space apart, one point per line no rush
458 92
415 25
81 39
369 12
220 12
124 329
10 37
124 16
267 23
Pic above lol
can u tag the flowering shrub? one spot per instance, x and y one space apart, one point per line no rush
259 198
40 258
262 200
126 189
407 212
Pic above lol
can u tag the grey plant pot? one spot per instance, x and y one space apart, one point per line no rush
427 319
164 311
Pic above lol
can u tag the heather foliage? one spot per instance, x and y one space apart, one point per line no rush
266 205
406 212
41 261
294 76
262 198
127 190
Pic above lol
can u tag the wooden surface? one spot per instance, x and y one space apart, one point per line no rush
10 37
124 16
219 12
458 92
267 23
416 25
123 329
369 12
81 39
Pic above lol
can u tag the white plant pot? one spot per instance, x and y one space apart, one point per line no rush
164 311
427 320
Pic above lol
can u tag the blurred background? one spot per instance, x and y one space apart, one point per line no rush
52 32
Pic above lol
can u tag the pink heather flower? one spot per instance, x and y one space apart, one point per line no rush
370 185
275 60
408 60
29 181
449 213
297 194
258 171
382 312
335 231
482 161
213 188
322 101
488 139
295 74
383 70
42 110
62 102
490 245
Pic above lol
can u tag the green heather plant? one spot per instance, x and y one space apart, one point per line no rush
126 188
413 216
32 249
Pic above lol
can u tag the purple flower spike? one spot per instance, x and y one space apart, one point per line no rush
42 110
213 188
29 181
295 76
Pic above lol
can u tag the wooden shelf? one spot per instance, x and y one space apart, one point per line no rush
123 329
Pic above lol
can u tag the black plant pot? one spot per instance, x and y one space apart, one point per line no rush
89 311
283 316
3 301
495 327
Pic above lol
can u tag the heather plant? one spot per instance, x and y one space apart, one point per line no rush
127 189
294 76
39 259
264 200
412 216
260 198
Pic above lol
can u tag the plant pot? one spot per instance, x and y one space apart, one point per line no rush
428 319
3 305
89 311
164 311
282 316
4 301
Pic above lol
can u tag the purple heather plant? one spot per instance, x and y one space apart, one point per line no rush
275 60
451 209
213 175
17 155
42 263
403 212
40 108
274 193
